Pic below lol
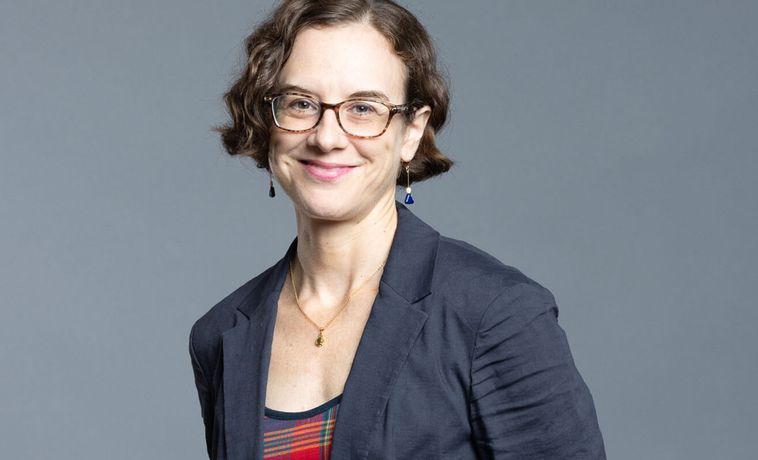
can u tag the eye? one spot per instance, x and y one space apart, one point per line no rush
301 105
362 108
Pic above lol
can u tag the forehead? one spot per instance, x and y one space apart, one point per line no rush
335 62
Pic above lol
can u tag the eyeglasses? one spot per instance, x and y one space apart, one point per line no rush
362 118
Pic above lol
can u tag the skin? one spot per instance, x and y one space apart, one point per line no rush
345 227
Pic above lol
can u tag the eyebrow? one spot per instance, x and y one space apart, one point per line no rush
367 94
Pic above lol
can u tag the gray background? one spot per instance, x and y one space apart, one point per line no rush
607 149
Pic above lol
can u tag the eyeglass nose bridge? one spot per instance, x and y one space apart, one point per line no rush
336 109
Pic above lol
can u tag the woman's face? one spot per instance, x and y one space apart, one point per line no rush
333 64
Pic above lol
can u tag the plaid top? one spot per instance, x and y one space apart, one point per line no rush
300 435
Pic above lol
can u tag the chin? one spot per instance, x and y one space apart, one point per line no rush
329 213
336 203
324 207
334 209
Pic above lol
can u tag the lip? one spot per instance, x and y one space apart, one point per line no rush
324 171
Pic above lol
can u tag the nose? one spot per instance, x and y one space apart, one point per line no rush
328 135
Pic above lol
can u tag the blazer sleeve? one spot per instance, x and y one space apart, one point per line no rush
528 400
203 392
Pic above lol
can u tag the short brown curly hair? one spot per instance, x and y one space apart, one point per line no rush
270 44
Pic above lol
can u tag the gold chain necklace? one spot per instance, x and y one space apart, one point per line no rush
320 340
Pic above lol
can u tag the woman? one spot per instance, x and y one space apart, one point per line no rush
374 336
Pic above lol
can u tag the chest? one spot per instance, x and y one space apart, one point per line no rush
302 375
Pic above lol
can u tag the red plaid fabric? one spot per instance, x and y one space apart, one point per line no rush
300 435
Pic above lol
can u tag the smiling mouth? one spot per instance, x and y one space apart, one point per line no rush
328 172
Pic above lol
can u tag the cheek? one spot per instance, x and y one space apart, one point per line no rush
279 144
391 145
275 157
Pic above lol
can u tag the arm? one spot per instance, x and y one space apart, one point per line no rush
528 400
206 402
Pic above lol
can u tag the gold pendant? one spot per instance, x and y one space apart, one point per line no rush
320 338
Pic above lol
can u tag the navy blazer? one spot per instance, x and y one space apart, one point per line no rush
461 358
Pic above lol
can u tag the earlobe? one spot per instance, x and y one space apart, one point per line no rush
414 132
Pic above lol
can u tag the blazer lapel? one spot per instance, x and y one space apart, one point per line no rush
390 332
246 357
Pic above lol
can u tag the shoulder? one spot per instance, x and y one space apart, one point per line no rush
526 397
207 330
469 278
462 259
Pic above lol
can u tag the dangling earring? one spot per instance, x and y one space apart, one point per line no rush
271 191
408 196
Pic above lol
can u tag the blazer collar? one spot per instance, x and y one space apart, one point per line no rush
390 332
414 249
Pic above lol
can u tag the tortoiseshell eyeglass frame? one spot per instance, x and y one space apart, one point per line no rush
393 109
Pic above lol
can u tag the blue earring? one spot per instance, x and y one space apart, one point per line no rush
408 196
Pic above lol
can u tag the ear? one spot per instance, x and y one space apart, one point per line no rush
413 133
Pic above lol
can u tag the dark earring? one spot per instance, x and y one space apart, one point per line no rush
408 196
271 191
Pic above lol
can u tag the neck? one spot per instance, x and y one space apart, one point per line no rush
334 258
